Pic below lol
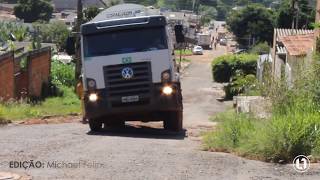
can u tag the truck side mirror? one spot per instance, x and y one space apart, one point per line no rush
178 29
70 45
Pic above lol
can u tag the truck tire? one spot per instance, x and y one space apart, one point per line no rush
95 125
173 121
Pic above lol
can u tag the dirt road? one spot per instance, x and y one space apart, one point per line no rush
138 152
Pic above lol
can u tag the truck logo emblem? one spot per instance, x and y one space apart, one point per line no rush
127 73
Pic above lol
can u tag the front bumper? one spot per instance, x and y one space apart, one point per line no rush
149 105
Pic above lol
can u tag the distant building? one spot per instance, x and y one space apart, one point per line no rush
69 17
60 5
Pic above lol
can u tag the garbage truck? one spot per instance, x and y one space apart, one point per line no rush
129 71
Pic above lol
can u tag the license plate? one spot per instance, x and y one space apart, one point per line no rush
128 99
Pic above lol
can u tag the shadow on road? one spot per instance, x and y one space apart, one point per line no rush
140 131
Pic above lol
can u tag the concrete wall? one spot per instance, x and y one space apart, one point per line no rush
258 106
7 76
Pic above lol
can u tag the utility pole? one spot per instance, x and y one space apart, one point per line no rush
293 2
296 7
78 46
295 14
317 31
193 6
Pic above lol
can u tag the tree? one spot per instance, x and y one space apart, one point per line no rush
252 24
208 13
33 10
90 12
55 32
286 13
222 10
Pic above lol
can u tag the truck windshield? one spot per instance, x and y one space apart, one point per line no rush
125 41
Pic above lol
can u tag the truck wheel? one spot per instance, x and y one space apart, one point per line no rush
95 125
174 121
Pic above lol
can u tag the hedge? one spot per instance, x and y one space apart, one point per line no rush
226 66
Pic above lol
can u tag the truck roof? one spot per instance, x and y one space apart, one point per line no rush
123 16
125 11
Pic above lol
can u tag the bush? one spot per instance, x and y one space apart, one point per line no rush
224 67
260 48
54 32
31 11
62 74
240 84
20 31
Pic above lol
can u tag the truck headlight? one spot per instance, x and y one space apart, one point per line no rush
167 90
93 97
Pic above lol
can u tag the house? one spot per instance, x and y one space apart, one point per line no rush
292 49
69 17
60 5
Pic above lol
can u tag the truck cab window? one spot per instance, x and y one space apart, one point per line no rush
125 41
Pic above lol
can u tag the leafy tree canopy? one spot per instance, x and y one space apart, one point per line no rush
33 10
90 12
305 12
54 32
208 13
252 22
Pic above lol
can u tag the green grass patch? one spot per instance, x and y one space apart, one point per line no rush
187 52
281 138
66 104
183 60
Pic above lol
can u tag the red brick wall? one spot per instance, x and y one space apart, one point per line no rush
38 70
7 76
21 84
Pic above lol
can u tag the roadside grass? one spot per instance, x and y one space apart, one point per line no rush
187 52
281 138
68 103
183 60
2 120
293 129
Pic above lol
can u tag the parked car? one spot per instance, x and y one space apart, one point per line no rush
197 50
223 42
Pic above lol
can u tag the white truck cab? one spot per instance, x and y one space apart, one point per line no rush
129 72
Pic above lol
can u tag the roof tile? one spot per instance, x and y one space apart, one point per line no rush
298 45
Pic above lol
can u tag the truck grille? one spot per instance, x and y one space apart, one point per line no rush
118 87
